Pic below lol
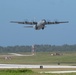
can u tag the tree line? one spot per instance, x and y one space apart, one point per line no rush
38 48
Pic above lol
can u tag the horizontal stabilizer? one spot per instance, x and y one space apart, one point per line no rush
28 26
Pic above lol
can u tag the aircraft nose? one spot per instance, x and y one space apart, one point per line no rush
44 20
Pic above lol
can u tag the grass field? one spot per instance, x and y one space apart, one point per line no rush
41 58
26 72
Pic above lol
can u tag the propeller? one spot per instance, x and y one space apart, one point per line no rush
26 20
34 20
48 21
56 21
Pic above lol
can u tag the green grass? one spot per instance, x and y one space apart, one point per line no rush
16 72
26 72
41 58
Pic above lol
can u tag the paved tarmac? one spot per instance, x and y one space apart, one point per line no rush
38 66
33 66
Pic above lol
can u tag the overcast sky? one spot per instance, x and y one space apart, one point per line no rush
51 10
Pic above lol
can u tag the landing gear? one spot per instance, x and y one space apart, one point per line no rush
42 28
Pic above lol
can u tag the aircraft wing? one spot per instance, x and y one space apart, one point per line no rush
25 22
56 22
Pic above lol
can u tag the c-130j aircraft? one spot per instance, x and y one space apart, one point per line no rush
38 25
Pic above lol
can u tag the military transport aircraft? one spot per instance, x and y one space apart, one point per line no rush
38 25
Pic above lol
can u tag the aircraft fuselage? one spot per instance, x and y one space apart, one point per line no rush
40 25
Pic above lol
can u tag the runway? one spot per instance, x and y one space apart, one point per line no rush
33 66
7 66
